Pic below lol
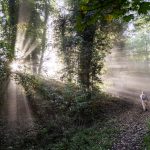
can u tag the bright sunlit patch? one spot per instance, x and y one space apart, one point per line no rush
15 66
49 60
60 4
52 64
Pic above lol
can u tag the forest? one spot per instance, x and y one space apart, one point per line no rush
74 74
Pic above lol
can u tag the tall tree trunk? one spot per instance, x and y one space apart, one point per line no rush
43 37
86 57
13 18
34 61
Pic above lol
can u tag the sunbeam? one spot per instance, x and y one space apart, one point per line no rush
17 110
52 64
24 46
126 77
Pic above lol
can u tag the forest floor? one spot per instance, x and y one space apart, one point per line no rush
134 126
17 122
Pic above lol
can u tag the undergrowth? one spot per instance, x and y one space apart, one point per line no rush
69 120
98 137
4 76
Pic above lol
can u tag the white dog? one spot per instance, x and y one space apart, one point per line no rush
144 100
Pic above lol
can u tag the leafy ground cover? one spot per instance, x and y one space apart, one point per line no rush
67 120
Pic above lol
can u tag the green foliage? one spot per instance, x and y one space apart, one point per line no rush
4 72
95 32
73 93
68 43
74 124
87 139
4 78
120 9
68 98
68 101
8 26
144 7
33 84
137 40
98 137
128 18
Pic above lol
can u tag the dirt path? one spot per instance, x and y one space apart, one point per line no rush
133 125
16 119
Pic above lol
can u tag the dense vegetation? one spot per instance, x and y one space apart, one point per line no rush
85 34
71 109
69 120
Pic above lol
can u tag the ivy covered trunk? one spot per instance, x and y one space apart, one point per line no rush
12 26
86 57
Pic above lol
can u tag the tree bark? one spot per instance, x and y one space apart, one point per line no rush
86 57
13 18
43 38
